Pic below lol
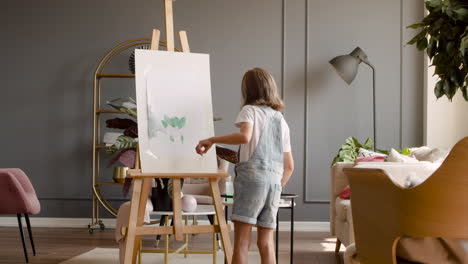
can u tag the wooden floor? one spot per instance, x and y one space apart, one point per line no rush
54 245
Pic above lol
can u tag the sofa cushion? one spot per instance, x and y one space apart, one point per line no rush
369 153
343 209
399 172
395 156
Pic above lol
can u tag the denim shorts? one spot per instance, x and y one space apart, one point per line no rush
256 197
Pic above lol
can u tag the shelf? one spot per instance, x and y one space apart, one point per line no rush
108 183
102 147
109 112
115 75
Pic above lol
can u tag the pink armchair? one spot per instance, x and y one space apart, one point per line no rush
18 197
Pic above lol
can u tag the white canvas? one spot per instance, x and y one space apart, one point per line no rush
174 111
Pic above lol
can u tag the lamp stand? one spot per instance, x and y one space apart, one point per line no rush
373 103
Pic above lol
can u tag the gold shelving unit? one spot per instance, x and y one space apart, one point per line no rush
98 198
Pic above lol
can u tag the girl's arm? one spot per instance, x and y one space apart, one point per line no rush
241 137
288 167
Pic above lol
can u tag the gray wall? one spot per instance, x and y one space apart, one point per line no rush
51 48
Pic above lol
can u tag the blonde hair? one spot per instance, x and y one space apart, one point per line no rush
259 88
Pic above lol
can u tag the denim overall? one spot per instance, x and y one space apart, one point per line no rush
257 185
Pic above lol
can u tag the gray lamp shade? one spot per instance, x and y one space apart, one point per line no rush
347 65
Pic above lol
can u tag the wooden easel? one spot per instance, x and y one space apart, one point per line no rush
142 183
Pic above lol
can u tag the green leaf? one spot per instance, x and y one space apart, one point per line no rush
440 69
422 44
415 26
131 112
419 36
463 45
465 92
122 142
456 77
349 150
356 143
461 14
431 48
446 87
406 151
164 123
386 152
369 143
439 89
465 60
431 4
449 89
451 48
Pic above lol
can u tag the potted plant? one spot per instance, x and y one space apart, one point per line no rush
444 37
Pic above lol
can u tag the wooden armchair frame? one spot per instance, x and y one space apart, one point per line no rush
383 212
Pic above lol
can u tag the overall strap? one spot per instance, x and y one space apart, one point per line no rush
270 144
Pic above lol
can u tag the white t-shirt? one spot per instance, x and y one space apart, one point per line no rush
254 115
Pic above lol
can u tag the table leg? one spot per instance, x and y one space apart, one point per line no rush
277 236
226 214
292 233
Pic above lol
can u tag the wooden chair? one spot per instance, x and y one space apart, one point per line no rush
383 212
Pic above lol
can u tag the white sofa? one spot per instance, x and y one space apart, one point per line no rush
341 221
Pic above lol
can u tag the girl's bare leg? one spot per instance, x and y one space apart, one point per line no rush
265 245
242 237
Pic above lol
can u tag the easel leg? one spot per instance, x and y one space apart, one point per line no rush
132 223
222 222
177 209
215 244
139 251
143 198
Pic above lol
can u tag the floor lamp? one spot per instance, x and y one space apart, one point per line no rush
347 67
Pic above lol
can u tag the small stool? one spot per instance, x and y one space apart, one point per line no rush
199 211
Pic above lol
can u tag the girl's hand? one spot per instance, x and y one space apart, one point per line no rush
203 146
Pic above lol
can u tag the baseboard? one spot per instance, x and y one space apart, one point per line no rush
299 226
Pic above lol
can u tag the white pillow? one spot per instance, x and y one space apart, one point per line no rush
412 180
429 154
395 156
420 152
436 155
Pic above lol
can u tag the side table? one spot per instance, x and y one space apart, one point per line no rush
290 205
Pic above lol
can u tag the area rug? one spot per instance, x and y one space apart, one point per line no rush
111 256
